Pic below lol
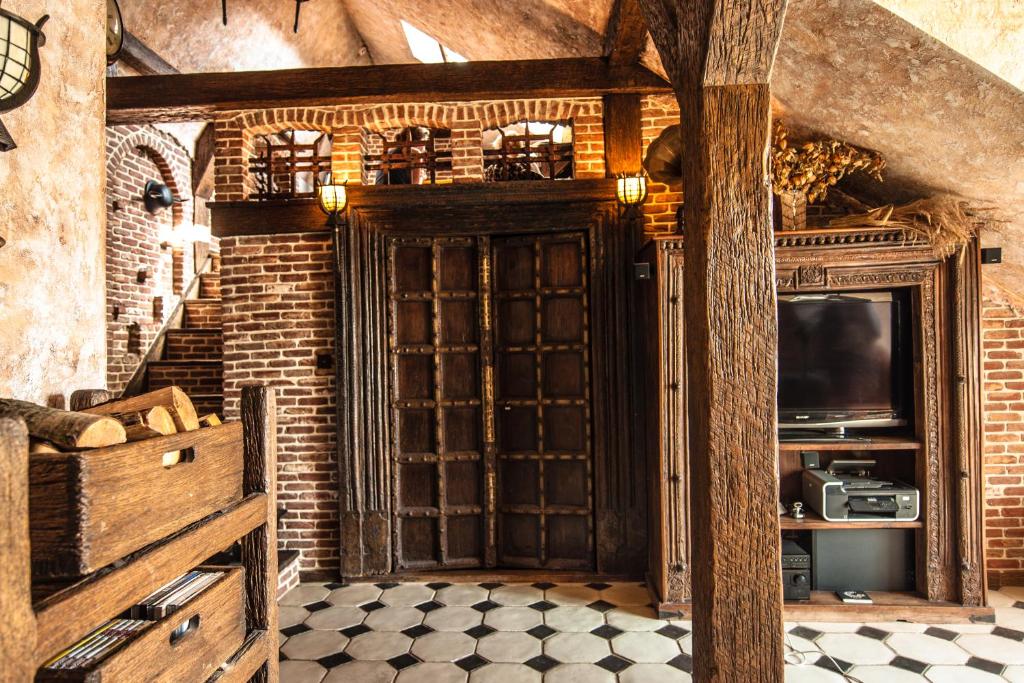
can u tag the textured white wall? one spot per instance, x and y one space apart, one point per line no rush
52 213
990 32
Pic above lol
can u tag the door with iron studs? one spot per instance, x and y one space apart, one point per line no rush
490 398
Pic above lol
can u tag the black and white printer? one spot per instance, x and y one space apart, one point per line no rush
846 491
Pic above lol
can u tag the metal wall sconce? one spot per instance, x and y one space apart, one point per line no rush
331 197
20 68
631 188
157 196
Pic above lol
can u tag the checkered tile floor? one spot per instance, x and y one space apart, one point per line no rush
597 633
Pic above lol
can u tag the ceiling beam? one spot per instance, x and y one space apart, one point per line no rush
139 56
198 97
719 56
626 37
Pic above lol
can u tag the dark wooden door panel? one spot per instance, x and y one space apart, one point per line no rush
436 402
542 402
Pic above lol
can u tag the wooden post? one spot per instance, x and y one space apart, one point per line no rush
18 626
259 547
719 54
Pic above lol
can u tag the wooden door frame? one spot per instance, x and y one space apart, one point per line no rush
363 441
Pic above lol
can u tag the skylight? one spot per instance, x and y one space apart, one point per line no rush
426 49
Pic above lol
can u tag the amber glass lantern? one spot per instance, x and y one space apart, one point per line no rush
19 65
332 198
631 188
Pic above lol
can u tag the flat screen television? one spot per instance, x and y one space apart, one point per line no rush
842 360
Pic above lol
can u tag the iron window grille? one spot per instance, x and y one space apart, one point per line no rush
529 150
287 164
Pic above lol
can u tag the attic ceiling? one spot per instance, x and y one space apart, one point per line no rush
850 69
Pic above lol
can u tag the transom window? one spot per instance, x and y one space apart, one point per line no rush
529 150
287 164
407 156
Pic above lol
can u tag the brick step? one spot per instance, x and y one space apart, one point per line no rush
209 285
203 313
194 344
208 403
192 376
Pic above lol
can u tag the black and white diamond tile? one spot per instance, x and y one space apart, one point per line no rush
543 632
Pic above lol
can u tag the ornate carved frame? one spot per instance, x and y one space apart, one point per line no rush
362 361
945 297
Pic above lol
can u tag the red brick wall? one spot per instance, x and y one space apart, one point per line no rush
203 314
278 302
1003 369
192 377
136 154
193 345
657 113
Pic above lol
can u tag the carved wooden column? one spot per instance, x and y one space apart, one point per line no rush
719 55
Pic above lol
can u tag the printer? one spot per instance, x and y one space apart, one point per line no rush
846 492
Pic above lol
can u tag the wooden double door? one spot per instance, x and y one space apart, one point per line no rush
490 401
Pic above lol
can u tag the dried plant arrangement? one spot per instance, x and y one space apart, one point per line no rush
814 167
944 221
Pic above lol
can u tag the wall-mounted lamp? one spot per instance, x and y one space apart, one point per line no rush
333 198
631 188
157 196
19 65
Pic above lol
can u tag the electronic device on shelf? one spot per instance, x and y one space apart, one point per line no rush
847 492
796 571
844 362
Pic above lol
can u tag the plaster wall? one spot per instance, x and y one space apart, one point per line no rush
52 213
990 32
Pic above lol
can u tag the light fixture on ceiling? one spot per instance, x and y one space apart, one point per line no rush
298 8
19 65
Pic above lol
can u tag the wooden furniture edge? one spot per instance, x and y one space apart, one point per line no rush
246 661
68 615
925 613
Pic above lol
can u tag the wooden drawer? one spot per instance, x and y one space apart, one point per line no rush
92 508
217 616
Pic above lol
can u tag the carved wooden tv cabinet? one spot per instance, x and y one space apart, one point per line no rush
941 452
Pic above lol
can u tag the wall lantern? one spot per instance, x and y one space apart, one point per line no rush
157 196
332 198
19 65
631 188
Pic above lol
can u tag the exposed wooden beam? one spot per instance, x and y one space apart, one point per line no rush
623 139
719 55
197 97
140 57
626 37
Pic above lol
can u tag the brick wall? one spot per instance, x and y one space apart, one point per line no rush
194 377
1003 369
278 311
203 315
134 242
657 113
349 123
193 345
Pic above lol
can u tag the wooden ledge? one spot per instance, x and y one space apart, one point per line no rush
283 216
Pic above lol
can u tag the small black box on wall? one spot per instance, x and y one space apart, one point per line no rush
992 255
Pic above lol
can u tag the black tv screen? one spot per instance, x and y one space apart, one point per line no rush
838 359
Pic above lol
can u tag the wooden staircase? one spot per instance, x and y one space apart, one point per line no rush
193 356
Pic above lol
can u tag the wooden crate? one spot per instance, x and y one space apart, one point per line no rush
91 508
217 619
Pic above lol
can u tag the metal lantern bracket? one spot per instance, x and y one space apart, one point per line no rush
158 196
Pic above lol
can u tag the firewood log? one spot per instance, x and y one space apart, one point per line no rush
65 429
37 446
177 403
146 424
87 398
210 420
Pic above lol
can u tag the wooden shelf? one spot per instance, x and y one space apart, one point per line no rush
887 606
876 443
814 522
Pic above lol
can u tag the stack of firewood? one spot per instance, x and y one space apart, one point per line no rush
97 419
